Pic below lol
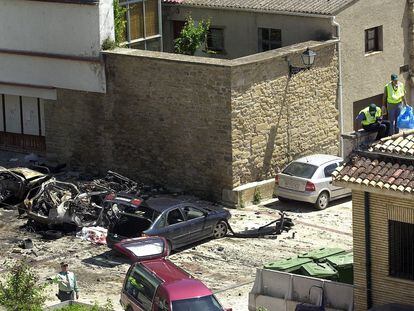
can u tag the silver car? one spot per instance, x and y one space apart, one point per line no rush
309 179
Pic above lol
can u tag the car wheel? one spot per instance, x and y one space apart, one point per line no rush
323 201
220 230
170 246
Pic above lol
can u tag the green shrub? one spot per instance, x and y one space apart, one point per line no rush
257 197
192 37
21 291
106 307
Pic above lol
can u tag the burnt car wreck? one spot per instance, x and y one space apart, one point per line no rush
55 203
16 183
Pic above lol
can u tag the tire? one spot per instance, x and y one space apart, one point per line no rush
322 201
170 246
220 230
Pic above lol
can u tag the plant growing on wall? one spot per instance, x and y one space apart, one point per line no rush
119 22
21 291
192 36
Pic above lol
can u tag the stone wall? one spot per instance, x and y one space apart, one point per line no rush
277 118
160 121
199 124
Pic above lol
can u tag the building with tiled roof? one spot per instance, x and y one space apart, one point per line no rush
371 32
322 7
381 176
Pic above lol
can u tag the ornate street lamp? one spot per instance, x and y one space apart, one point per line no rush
308 58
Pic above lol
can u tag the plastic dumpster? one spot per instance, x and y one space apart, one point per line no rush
344 263
322 253
292 265
320 270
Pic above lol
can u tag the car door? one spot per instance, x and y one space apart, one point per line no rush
175 228
327 171
197 221
139 289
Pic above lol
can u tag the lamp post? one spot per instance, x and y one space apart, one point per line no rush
308 58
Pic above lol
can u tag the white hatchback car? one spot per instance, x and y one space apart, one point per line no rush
309 179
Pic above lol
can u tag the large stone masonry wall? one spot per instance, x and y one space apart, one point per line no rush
164 121
198 124
277 118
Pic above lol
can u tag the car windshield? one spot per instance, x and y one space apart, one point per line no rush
299 169
207 303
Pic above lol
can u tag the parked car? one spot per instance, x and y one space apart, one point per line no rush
309 179
155 283
179 222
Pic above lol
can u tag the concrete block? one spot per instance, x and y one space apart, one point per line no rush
244 195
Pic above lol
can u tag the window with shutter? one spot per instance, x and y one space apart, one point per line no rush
215 39
269 39
142 24
373 39
401 249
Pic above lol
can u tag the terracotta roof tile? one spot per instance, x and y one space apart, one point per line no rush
324 7
388 164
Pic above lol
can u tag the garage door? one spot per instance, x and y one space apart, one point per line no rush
22 123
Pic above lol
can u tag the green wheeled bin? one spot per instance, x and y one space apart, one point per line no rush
344 263
320 271
322 253
292 264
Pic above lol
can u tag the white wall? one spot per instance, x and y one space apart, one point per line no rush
47 30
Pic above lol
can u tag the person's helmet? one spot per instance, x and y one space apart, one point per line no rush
394 77
372 109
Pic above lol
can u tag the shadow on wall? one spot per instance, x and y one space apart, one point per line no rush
270 146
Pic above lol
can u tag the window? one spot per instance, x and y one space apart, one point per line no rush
141 286
174 217
269 39
206 303
330 169
192 213
142 22
215 39
373 39
299 169
401 249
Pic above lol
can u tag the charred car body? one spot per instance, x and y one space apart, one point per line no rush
56 202
16 183
181 223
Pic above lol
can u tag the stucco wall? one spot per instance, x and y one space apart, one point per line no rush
277 118
385 289
199 124
41 48
241 28
364 75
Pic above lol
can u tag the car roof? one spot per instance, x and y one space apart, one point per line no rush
318 159
186 289
165 270
163 203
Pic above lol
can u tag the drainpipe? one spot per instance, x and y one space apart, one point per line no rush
368 274
339 96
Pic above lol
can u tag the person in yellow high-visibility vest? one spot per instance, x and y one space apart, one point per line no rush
393 100
371 120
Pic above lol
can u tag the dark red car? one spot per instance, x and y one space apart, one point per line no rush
153 283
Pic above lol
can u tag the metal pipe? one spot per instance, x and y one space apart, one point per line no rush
339 94
368 249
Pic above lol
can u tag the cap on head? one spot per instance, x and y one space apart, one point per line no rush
372 107
63 264
394 77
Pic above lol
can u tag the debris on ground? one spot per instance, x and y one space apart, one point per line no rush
96 235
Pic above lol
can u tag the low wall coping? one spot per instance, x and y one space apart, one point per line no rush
258 57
